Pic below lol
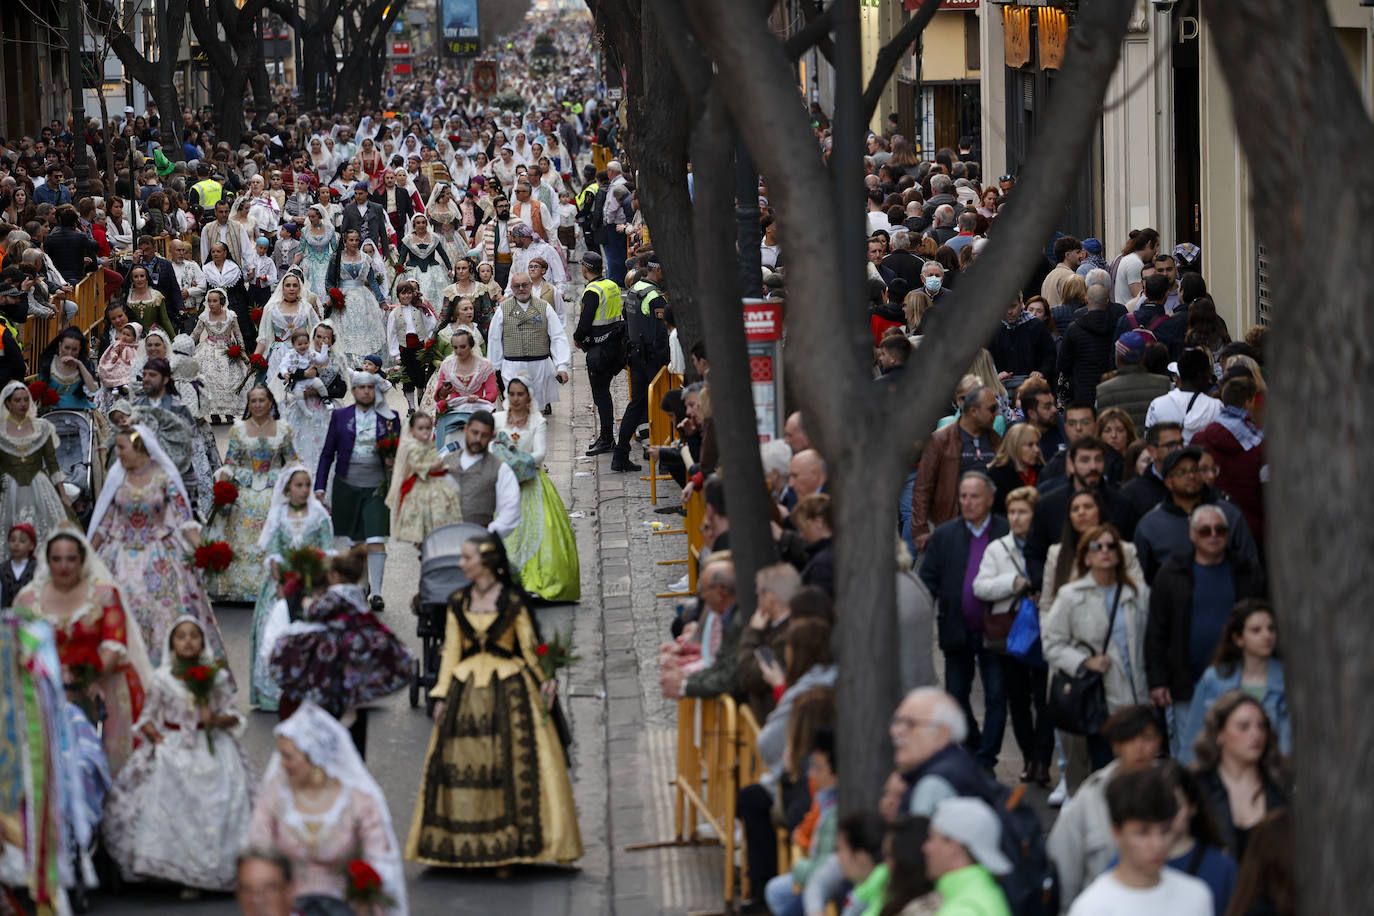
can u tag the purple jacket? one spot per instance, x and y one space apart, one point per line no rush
339 441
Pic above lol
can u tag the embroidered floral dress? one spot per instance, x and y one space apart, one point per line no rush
29 478
319 251
100 622
219 375
420 502
179 812
276 328
252 463
313 529
361 327
426 262
148 539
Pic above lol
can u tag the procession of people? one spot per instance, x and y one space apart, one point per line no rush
327 367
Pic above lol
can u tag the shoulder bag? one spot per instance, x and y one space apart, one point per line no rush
1077 703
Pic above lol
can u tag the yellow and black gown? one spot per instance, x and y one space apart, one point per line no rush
495 789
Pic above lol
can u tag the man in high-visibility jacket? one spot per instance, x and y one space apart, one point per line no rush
601 332
206 192
647 342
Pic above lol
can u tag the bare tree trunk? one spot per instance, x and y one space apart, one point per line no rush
732 400
867 435
1301 110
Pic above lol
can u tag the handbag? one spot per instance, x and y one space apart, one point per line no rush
996 627
1023 641
1077 703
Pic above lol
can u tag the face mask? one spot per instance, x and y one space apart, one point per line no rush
932 285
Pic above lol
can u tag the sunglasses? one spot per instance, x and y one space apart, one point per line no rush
1101 546
1208 531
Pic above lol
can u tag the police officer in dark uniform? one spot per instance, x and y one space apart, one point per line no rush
600 332
647 335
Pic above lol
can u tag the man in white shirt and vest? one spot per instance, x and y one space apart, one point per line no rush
490 492
526 335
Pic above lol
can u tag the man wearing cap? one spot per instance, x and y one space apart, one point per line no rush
1150 317
1163 532
527 336
1133 388
205 193
1092 258
526 245
601 333
367 216
358 507
14 311
963 851
647 336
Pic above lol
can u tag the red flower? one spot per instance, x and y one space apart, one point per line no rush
255 315
429 344
258 361
37 388
225 493
441 408
200 674
49 398
214 556
336 299
234 351
363 877
541 649
291 583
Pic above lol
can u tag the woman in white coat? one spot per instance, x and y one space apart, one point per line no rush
1083 634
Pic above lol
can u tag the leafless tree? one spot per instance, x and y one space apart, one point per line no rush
153 70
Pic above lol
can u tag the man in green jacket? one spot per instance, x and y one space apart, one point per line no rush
963 852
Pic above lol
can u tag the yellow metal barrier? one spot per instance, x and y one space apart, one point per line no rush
696 514
661 430
751 770
707 775
89 296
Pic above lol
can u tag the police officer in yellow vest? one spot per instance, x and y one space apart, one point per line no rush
646 335
206 192
601 332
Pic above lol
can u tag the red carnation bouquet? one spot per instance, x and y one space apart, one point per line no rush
302 569
386 450
200 681
362 885
214 556
226 493
255 316
337 302
235 352
42 395
257 363
554 655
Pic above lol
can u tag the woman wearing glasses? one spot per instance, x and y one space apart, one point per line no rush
1097 623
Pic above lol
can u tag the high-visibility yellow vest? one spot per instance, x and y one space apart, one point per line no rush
609 309
591 189
208 192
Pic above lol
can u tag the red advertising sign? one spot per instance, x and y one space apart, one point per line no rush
400 69
762 320
400 49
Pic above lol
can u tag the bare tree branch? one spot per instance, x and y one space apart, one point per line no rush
816 33
892 52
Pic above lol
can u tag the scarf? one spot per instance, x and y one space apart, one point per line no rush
1240 424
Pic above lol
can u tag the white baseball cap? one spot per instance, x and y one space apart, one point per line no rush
974 825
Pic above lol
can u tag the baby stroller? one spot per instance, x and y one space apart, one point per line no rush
77 442
440 577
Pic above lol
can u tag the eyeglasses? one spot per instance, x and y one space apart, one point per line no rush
907 722
521 285
1190 471
1101 546
1207 531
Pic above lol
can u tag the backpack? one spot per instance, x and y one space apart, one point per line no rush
1147 332
1032 888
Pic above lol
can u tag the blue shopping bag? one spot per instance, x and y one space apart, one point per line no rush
1023 641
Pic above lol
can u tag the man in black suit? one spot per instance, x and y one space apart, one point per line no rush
394 201
367 216
161 275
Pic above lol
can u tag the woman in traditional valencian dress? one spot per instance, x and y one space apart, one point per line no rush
260 445
542 546
446 221
287 310
465 382
319 242
424 259
322 809
143 530
297 519
180 809
30 478
497 716
361 327
76 593
409 328
216 330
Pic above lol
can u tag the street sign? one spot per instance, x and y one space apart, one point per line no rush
400 49
763 330
401 69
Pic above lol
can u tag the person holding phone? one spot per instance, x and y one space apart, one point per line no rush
759 668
